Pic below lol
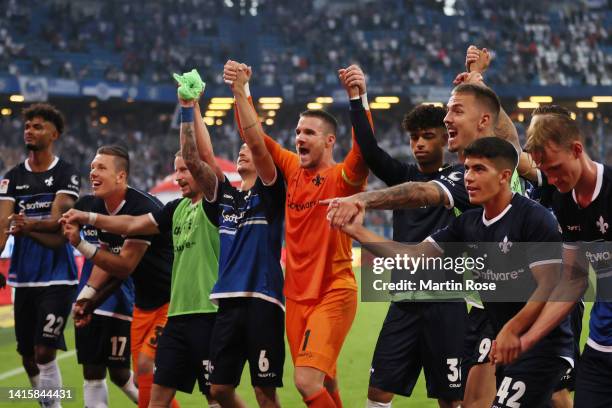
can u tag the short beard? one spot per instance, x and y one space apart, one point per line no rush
32 147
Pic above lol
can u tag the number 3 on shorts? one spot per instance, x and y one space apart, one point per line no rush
518 386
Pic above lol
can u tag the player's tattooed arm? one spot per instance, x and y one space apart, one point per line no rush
342 211
201 172
405 195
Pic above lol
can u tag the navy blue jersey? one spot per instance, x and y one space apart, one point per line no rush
452 183
592 225
523 220
409 225
33 264
251 229
121 303
154 271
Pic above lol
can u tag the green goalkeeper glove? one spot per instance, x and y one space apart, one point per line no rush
191 85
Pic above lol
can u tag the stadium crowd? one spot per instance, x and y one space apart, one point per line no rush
397 42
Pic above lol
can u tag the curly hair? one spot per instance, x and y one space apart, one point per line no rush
424 117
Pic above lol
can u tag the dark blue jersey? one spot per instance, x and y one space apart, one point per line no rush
250 230
591 225
33 264
121 303
154 271
509 263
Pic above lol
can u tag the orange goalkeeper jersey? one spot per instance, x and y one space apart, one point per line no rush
318 256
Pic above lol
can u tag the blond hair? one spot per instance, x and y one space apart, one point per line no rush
552 127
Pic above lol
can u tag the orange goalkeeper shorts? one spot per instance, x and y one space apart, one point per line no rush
316 330
147 327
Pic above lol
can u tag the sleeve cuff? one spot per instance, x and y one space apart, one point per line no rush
451 201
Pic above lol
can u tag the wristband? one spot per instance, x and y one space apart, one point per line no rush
87 249
186 114
91 218
87 292
247 90
364 101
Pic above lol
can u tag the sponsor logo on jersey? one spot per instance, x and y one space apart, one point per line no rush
49 181
602 225
37 205
302 206
505 245
595 257
4 186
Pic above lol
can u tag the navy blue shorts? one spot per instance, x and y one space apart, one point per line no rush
478 341
104 341
248 329
568 381
594 380
183 352
421 335
40 316
528 382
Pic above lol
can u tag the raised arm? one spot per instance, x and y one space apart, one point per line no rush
251 130
283 158
204 143
127 225
202 173
478 61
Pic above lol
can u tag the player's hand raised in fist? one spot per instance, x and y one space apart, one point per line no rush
353 80
243 75
477 60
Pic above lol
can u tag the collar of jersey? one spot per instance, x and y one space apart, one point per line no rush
52 165
119 207
598 183
493 220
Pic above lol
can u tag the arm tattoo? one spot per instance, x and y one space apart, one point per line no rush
202 173
405 195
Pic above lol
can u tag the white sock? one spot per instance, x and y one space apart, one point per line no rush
34 380
375 404
49 377
95 394
129 389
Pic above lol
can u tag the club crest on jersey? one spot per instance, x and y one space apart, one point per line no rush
602 225
4 186
49 181
505 245
74 179
317 181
